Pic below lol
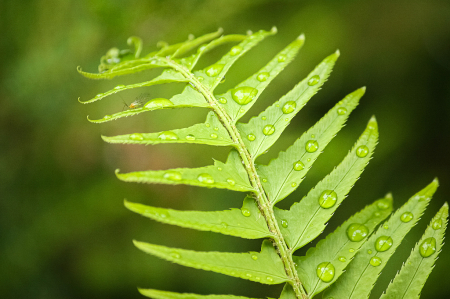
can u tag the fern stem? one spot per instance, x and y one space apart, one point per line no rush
261 197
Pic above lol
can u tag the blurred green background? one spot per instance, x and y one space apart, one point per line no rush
64 232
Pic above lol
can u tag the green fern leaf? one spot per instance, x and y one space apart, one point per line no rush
288 292
157 294
363 271
190 44
265 267
414 273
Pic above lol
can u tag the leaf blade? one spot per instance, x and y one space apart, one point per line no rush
158 294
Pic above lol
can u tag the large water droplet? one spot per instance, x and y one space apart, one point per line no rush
205 178
231 182
341 111
298 165
375 261
244 95
214 70
325 271
158 103
190 137
284 223
262 76
235 50
167 135
406 217
383 204
246 212
427 247
269 130
223 100
137 137
289 107
173 175
356 232
383 243
311 146
314 80
251 137
362 151
437 224
327 199
281 58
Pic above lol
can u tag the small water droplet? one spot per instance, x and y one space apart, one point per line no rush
251 137
244 95
264 180
263 117
158 103
427 247
327 199
437 224
190 137
223 100
107 117
214 70
281 58
224 225
231 182
173 175
356 232
314 80
289 107
362 151
376 214
369 251
246 212
248 275
219 168
262 76
325 271
205 178
268 130
351 250
284 223
216 129
342 259
383 243
257 278
207 125
309 159
213 136
313 136
235 50
119 87
298 165
375 261
293 184
254 257
137 137
99 95
342 111
241 110
167 135
175 255
269 279
383 204
200 79
386 226
311 146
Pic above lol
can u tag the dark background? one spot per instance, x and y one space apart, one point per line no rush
64 232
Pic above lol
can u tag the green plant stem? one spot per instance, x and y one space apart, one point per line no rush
263 202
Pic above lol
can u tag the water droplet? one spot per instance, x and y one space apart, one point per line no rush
262 76
214 70
437 224
107 117
207 125
386 226
314 80
362 151
99 95
241 110
298 165
205 178
309 159
264 180
342 259
224 225
175 255
263 118
311 146
383 204
383 243
293 184
248 275
219 168
223 100
325 271
257 278
313 136
356 232
351 250
190 137
254 257
231 182
235 50
341 111
281 58
369 251
427 247
289 107
158 103
251 137
244 95
167 135
284 223
327 199
376 214
200 79
269 279
375 261
213 136
269 130
246 212
119 87
136 136
173 175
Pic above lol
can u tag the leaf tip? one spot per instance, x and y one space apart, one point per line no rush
373 125
337 53
220 30
436 182
363 89
79 69
388 196
301 37
274 29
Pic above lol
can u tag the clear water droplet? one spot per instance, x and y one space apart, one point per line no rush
251 137
342 111
325 271
175 255
342 259
119 87
173 175
362 151
264 180
219 168
241 110
246 212
224 225
284 223
158 103
263 117
223 100
231 182
214 70
383 204
356 232
214 136
216 129
311 146
269 279
107 117
167 135
386 226
309 159
248 275
282 58
427 247
383 243
289 107
351 250
205 178
268 130
137 137
190 137
376 214
298 165
261 77
235 50
200 79
293 184
314 80
327 199
437 224
207 125
313 136
369 251
375 261
244 95
254 257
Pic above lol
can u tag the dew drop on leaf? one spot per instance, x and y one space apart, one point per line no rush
158 103
207 125
284 223
214 70
298 165
235 50
244 95
362 151
351 250
342 111
200 79
173 175
248 275
99 95
294 184
223 100
262 76
386 226
251 137
356 232
311 146
383 243
224 224
289 107
205 178
175 255
213 136
107 117
216 129
327 199
167 135
118 87
314 80
246 212
325 271
264 180
427 247
342 259
136 136
383 204
190 137
369 251
269 279
375 261
437 224
231 182
263 117
268 130
254 257
281 58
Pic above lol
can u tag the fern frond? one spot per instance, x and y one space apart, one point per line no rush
157 294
